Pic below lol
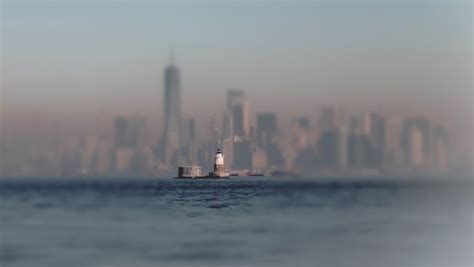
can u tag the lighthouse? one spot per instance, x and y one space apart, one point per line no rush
194 172
219 169
218 161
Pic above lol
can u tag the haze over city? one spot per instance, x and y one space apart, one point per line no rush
334 133
69 69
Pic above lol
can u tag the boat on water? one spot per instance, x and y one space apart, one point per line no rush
194 172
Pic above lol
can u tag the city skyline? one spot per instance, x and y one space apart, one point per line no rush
330 142
385 58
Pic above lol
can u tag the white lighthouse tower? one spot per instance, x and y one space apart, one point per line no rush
219 172
219 169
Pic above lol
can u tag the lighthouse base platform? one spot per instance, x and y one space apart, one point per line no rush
211 175
205 177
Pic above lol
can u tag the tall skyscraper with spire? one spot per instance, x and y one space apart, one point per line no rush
172 113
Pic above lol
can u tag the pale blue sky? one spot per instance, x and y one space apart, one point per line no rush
72 56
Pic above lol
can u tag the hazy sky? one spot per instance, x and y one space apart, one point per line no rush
86 56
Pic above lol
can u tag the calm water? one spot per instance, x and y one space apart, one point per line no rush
236 222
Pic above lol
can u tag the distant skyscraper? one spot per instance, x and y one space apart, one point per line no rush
440 148
129 132
137 132
227 126
303 123
358 147
415 147
242 155
235 97
373 127
104 156
121 132
227 148
343 144
188 140
416 142
329 146
330 118
172 113
239 111
123 159
266 129
259 160
300 131
393 154
267 139
88 154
